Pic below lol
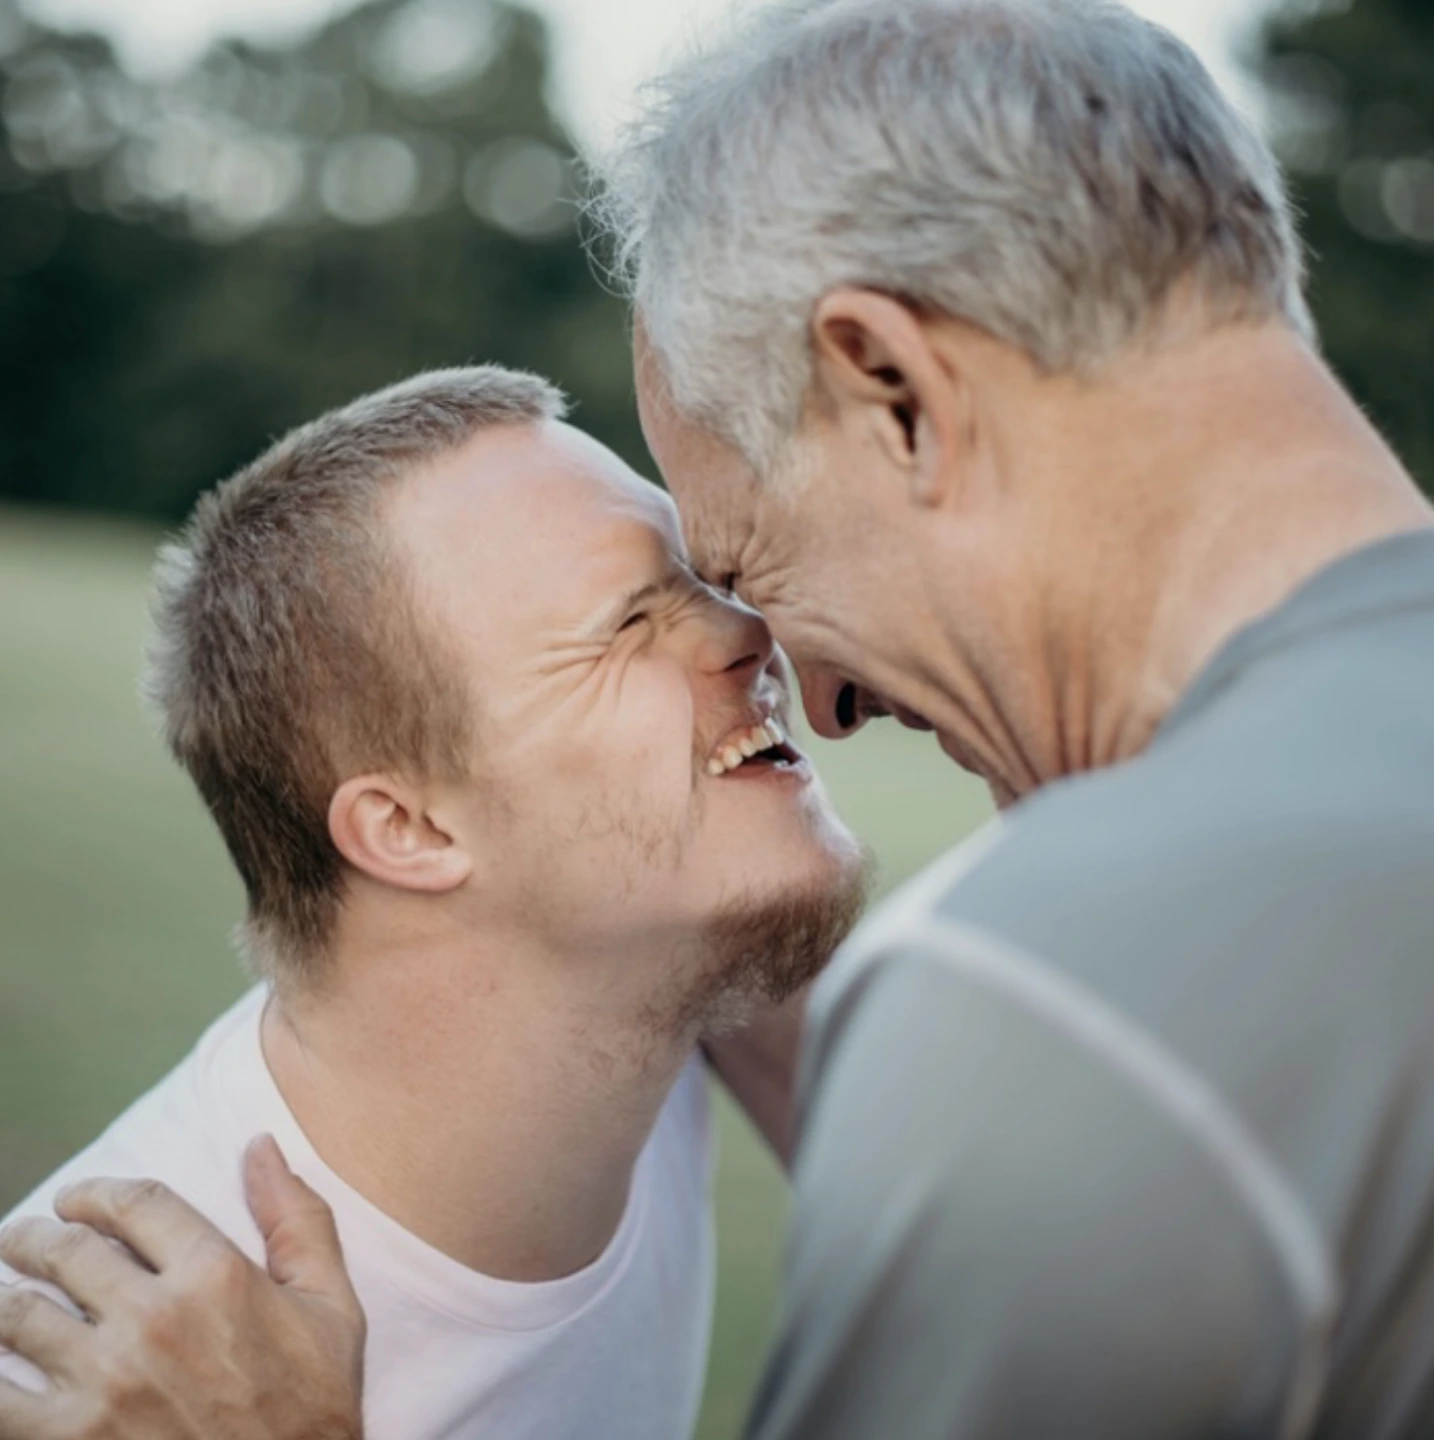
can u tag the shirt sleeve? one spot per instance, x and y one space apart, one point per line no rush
999 1235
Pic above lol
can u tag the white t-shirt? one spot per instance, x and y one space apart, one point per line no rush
617 1351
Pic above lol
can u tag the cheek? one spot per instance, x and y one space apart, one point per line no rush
647 736
629 775
827 608
804 636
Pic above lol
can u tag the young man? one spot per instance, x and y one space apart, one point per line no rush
512 797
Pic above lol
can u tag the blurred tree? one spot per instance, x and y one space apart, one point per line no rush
1351 89
188 269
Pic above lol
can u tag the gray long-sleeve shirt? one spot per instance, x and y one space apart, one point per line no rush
1119 1122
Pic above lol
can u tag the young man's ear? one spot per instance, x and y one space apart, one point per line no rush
383 827
875 353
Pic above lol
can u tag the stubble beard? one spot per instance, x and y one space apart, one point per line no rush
756 949
763 949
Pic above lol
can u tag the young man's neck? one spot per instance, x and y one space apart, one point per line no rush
1231 469
496 1119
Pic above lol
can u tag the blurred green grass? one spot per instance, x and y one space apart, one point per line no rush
116 898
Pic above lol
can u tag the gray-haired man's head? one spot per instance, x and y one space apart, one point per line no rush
1048 170
904 272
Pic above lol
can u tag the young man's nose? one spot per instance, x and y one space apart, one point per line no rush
738 640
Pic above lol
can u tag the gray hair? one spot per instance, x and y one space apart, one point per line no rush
289 648
1047 170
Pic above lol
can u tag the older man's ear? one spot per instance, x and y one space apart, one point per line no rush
883 366
394 833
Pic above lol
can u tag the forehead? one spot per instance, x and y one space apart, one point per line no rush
527 526
716 492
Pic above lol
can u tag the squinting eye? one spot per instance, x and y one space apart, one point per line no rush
632 620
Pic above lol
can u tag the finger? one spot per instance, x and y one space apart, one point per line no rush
24 1416
159 1227
300 1237
44 1333
90 1270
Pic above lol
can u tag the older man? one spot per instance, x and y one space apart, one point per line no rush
510 793
1121 1122
972 344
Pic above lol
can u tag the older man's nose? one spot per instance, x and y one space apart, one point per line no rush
830 703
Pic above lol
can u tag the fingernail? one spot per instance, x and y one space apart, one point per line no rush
264 1150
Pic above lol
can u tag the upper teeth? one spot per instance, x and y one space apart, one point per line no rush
744 744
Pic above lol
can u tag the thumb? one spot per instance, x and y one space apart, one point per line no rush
300 1237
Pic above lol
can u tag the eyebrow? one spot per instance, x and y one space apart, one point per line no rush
614 614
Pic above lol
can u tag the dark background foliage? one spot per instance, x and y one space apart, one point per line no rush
189 268
1351 89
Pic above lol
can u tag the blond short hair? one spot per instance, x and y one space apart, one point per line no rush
288 650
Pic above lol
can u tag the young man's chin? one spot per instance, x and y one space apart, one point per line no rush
765 948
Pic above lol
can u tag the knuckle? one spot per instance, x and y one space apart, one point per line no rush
67 1243
218 1268
42 1247
17 1236
18 1311
130 1197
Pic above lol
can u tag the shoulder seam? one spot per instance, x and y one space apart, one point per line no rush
1189 1102
909 904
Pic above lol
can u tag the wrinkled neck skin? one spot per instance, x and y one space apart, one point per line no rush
492 1100
1147 515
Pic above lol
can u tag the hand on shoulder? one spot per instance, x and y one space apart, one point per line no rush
184 1337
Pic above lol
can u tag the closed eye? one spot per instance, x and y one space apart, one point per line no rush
636 618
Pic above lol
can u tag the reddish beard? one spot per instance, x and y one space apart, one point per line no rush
764 950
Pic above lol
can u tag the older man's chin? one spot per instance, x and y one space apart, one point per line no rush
764 949
1002 795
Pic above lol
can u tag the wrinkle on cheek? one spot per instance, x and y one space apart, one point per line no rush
598 726
603 735
555 658
565 690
